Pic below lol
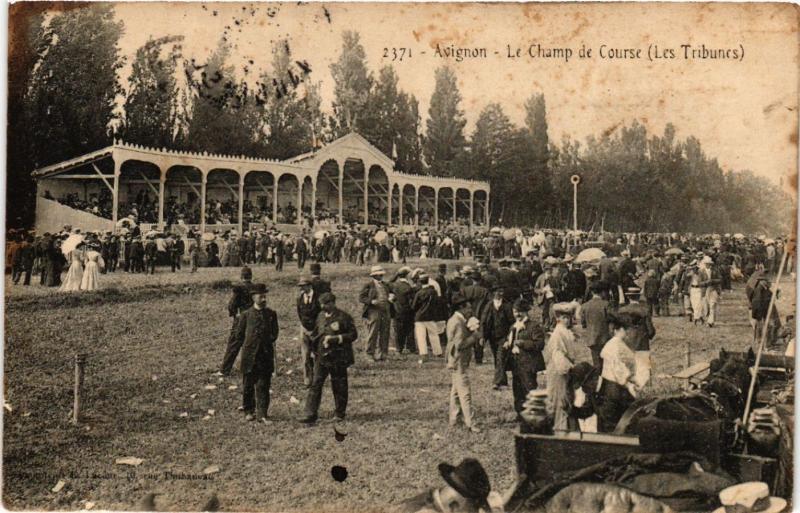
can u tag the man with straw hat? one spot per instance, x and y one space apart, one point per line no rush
462 335
377 300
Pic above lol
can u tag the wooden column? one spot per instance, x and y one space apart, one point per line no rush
241 203
275 200
299 220
436 208
366 197
341 194
313 199
471 209
416 206
115 193
486 210
401 205
389 202
455 205
161 186
202 201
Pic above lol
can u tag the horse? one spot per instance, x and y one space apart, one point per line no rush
720 397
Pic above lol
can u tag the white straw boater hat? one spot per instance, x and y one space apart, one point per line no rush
376 270
751 497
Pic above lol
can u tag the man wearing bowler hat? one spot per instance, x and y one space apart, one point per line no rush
332 342
524 345
467 489
307 311
257 329
319 285
239 302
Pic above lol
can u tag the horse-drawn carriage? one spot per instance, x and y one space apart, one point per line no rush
700 428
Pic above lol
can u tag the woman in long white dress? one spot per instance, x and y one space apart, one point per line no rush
559 358
72 282
91 273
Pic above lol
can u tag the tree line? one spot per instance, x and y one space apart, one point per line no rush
66 98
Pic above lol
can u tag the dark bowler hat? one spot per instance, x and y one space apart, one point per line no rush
443 267
521 305
469 479
315 268
258 288
247 272
599 286
458 299
326 298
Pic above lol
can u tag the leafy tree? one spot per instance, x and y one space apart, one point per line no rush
381 114
224 118
25 40
152 105
409 143
290 123
352 85
71 97
444 139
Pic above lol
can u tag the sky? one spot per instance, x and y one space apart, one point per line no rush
743 111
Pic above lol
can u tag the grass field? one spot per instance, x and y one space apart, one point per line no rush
153 342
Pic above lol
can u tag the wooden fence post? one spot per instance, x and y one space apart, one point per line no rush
80 363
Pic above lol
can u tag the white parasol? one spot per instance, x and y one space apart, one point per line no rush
126 222
589 255
71 242
208 236
738 236
380 236
320 234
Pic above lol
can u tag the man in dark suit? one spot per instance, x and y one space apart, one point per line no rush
177 250
137 255
377 299
319 285
257 330
151 254
240 301
525 343
22 261
280 249
112 243
403 313
308 310
244 248
496 322
332 341
594 319
301 249
472 288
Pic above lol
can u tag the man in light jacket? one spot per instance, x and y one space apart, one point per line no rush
462 335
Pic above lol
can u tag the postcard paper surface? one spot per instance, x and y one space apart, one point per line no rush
493 228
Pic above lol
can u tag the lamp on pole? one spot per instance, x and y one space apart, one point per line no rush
575 180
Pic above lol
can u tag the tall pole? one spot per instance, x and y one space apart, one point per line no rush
754 376
575 179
